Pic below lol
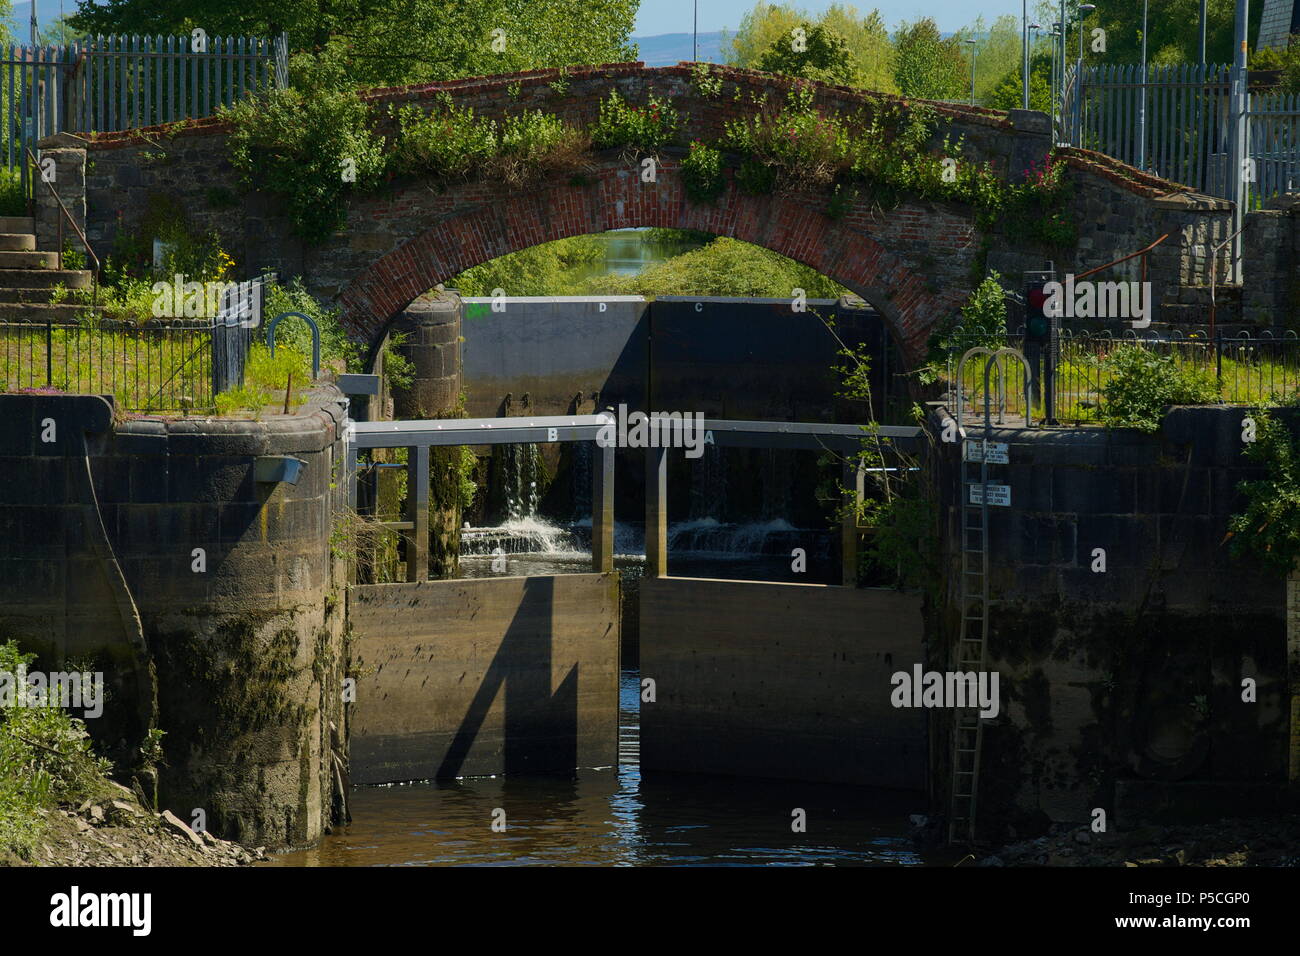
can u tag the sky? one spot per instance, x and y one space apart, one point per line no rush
674 16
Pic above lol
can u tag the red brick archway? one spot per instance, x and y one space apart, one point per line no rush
860 250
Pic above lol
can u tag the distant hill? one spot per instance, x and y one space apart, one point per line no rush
667 49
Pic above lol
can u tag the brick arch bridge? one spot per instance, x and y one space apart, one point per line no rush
913 262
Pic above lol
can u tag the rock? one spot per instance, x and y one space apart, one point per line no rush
96 814
125 793
1083 836
174 822
208 838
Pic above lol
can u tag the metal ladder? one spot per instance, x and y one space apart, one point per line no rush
968 727
972 641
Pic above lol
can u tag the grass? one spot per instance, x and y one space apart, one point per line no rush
265 379
145 370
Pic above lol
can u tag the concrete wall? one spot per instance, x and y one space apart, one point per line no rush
247 649
1117 682
780 680
478 677
751 359
551 349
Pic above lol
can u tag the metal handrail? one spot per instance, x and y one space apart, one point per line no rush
85 243
1131 255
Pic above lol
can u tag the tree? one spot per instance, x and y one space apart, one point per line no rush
382 42
997 51
1008 93
926 65
1173 28
768 26
813 52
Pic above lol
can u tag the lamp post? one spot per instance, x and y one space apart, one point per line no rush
1024 54
1202 59
695 33
1035 27
1056 32
972 71
1084 10
1142 98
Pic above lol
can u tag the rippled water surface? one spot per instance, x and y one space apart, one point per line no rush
617 816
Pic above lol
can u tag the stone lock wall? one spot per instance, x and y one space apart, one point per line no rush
1121 689
182 564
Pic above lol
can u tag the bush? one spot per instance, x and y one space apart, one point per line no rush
13 199
312 147
454 145
1269 528
534 146
449 143
984 316
1140 385
336 349
756 178
643 127
702 176
45 760
800 146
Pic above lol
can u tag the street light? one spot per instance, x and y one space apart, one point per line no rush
1034 27
972 71
1084 10
1142 98
1056 32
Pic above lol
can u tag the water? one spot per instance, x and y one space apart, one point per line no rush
701 548
627 252
616 816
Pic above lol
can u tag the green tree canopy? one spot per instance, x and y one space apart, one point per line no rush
381 42
928 66
824 55
765 31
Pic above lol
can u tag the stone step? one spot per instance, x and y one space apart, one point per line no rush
25 295
63 313
17 224
44 278
17 242
28 260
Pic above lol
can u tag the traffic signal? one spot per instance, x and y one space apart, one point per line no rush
1038 326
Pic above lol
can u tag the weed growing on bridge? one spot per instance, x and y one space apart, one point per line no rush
295 142
701 171
644 127
454 144
448 142
704 82
802 147
534 145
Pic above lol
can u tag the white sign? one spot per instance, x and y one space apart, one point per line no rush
997 452
998 495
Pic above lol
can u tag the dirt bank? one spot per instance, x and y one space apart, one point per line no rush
1264 841
115 830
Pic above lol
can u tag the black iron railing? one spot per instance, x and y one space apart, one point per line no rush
1246 368
147 368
